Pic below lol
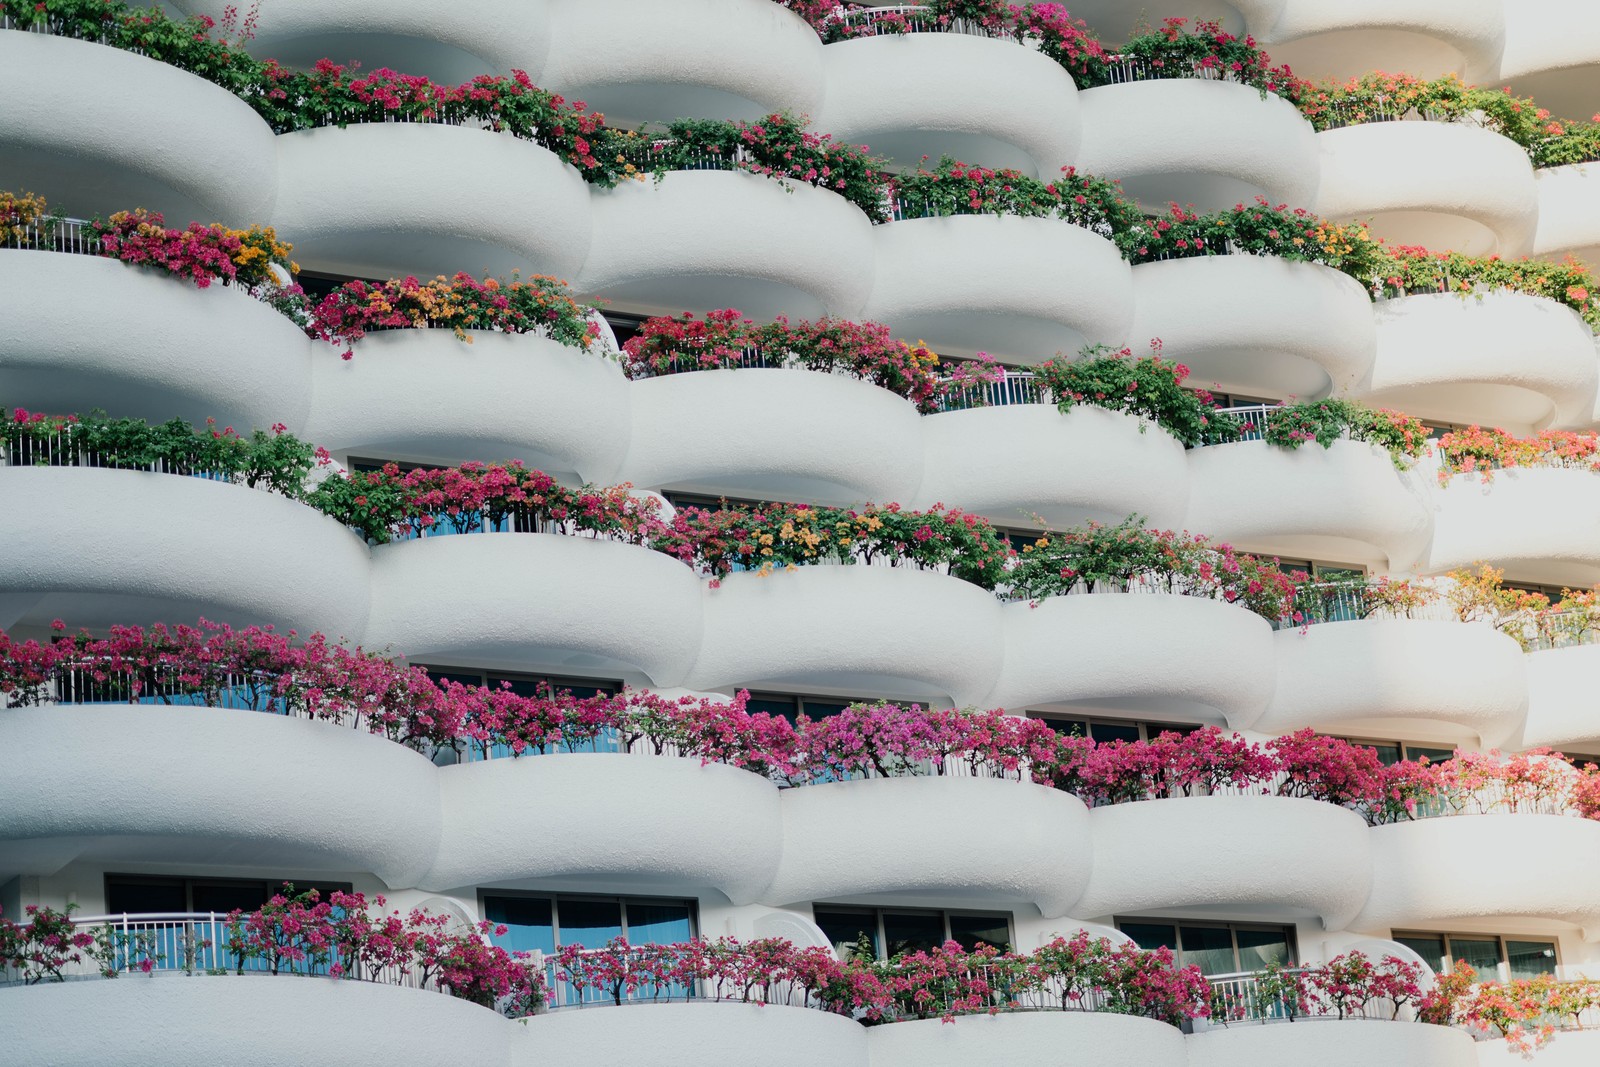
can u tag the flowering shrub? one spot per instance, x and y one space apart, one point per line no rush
1479 594
258 669
1259 229
20 214
387 503
1206 50
43 947
1381 97
1525 1012
302 933
783 535
277 461
540 304
1483 451
201 253
1326 421
724 338
1128 556
779 146
1150 387
956 188
947 981
1416 270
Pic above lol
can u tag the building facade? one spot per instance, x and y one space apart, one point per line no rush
162 813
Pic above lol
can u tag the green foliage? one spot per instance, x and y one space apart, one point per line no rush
1150 387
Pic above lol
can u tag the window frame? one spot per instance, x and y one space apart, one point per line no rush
190 881
880 938
1148 730
1290 930
621 899
1503 968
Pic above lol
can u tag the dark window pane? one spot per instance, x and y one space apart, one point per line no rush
1433 755
1431 949
459 677
1153 730
1152 935
138 896
1067 727
822 709
1483 954
589 923
1113 731
583 688
523 687
788 707
844 927
974 930
527 923
224 896
1208 947
909 931
1388 755
1529 959
651 923
1259 948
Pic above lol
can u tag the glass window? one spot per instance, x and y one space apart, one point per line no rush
590 923
844 927
1431 949
658 922
1152 935
141 896
1259 949
822 709
1529 959
1103 732
226 896
910 931
528 921
1483 954
970 931
1208 947
1433 755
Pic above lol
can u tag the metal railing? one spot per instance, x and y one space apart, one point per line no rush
1017 387
55 233
67 448
647 153
1240 998
1122 70
193 943
687 363
1252 419
869 22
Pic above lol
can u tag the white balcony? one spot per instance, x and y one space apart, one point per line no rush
471 200
89 141
175 1021
774 434
699 240
1436 871
955 840
1441 185
593 821
1569 213
427 394
544 601
1022 289
104 547
413 37
858 629
1030 1039
109 793
1552 54
90 332
1257 324
1498 359
1560 702
1345 502
1229 853
982 101
1145 652
1426 38
707 59
1333 1043
1539 524
1380 674
702 1034
1212 144
1014 462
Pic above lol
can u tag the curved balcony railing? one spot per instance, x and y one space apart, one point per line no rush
909 18
1016 387
57 234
